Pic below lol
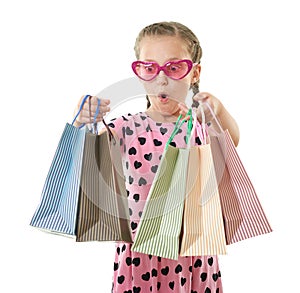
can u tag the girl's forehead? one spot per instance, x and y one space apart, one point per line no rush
156 39
151 46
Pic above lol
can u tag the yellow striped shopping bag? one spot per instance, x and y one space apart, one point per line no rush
103 208
203 228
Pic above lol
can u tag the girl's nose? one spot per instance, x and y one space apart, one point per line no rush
161 78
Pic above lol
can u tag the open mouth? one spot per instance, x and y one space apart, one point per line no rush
163 98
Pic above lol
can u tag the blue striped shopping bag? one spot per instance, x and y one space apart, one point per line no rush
57 210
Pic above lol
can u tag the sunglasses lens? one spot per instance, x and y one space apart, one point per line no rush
144 70
178 69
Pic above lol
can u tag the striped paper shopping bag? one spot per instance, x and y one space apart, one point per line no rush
57 209
103 208
203 228
159 230
242 212
160 226
233 216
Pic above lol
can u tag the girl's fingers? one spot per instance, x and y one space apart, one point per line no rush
183 109
104 103
201 97
94 103
90 107
87 114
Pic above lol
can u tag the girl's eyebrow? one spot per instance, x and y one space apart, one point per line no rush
171 59
149 60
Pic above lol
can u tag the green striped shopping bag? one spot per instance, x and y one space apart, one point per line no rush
160 226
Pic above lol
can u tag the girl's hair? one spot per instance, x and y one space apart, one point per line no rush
172 29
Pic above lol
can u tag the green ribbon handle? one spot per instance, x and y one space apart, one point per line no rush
189 127
178 126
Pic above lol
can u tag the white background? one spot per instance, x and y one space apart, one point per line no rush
52 52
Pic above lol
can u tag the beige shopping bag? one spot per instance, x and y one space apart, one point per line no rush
103 208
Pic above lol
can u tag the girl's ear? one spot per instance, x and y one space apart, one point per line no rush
196 73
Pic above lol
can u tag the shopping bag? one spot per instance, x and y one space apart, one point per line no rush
57 209
203 228
231 207
159 229
242 212
103 208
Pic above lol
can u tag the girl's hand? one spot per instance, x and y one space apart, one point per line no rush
225 120
213 102
87 113
183 109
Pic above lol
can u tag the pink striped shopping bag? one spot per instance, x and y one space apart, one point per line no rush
243 214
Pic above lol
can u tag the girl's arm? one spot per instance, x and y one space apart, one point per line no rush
223 116
228 122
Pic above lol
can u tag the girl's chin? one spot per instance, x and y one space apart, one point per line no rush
165 105
168 109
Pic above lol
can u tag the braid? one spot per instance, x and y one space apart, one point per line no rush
195 89
148 102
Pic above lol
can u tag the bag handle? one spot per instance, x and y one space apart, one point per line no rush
192 125
80 108
94 123
178 125
95 128
201 129
214 116
111 136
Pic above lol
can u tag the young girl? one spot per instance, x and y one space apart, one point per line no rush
168 64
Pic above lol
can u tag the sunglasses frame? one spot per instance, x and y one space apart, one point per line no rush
189 63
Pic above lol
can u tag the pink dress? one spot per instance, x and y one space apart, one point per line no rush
142 142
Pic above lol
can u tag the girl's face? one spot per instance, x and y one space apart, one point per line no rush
165 93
